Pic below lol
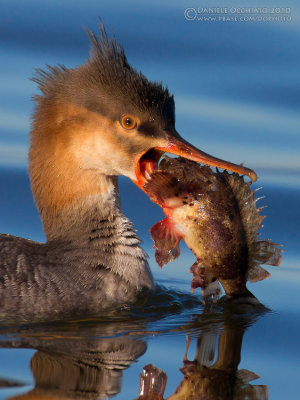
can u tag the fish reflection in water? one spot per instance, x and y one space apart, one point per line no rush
213 374
86 360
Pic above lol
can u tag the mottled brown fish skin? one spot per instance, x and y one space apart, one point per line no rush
212 228
209 212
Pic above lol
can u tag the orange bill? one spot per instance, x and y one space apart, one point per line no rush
176 145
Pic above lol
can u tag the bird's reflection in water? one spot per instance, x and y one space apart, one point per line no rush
87 360
213 373
77 364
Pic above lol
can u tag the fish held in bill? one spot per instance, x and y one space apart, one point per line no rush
215 213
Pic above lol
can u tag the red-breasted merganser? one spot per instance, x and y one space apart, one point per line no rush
91 124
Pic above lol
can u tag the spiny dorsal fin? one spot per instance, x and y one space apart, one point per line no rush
259 251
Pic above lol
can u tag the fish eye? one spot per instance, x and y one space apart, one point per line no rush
128 122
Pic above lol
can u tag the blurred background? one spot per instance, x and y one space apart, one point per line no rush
236 83
234 71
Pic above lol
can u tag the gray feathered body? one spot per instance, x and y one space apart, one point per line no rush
97 266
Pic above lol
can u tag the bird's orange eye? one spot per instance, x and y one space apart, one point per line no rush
128 122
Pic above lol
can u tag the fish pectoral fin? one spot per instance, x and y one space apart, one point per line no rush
166 241
163 257
164 235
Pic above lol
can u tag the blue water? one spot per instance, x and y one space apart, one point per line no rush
236 87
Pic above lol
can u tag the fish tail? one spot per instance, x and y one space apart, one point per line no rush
263 252
268 253
257 273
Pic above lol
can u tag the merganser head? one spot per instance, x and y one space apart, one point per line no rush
104 117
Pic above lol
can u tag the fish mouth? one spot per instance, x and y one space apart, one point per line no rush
148 161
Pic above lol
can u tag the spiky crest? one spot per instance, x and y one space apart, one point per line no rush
106 74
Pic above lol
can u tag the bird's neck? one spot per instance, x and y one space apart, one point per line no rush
92 231
76 207
85 213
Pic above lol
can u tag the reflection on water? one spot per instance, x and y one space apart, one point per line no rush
86 360
87 369
213 374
